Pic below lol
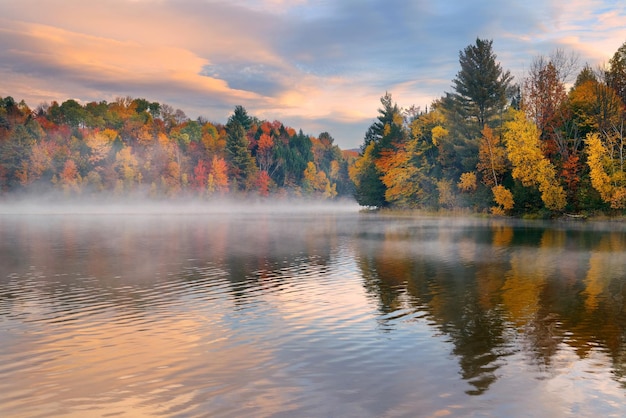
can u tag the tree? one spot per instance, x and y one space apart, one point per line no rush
41 163
530 166
69 178
100 145
543 101
73 113
240 115
127 168
200 176
217 180
382 139
503 198
263 183
607 166
241 162
481 88
265 152
369 188
492 161
388 115
595 106
316 182
616 74
467 182
296 157
14 155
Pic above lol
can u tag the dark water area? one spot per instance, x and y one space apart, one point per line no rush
334 314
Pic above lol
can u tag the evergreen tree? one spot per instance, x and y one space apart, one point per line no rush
383 137
240 115
616 74
376 132
241 163
369 188
481 88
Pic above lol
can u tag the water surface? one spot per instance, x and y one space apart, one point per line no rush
309 314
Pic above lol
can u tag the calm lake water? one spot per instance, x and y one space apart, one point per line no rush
309 314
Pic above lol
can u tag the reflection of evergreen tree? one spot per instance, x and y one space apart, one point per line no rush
446 290
534 292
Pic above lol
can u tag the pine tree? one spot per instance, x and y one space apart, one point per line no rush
616 74
241 163
481 88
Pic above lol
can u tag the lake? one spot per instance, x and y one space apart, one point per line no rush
309 313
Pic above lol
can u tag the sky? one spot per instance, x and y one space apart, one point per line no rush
319 66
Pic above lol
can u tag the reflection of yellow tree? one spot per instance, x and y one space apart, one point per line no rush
523 286
502 235
530 269
524 289
602 264
601 316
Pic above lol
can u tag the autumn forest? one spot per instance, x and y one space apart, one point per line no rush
551 143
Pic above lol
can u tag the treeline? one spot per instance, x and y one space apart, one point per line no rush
133 146
553 143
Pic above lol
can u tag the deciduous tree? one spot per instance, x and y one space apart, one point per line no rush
530 166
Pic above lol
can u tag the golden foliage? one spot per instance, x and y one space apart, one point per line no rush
100 144
530 166
503 197
492 160
438 132
467 182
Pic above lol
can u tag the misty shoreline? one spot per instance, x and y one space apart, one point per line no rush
106 205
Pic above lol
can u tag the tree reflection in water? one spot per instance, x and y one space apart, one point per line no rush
503 288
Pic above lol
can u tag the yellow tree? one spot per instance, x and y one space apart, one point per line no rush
467 182
492 162
316 182
530 166
41 159
127 169
607 174
100 144
503 198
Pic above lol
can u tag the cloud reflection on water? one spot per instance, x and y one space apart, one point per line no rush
336 313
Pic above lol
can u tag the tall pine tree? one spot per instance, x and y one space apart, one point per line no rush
481 88
241 163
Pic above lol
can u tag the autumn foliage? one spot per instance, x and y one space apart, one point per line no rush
136 147
503 148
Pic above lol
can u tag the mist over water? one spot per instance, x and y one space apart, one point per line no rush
285 309
56 203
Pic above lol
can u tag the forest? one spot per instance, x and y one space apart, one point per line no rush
133 147
550 144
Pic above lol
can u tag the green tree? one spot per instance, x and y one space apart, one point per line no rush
241 163
240 115
369 188
376 132
73 113
383 138
616 73
481 89
14 158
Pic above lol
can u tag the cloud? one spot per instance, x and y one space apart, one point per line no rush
305 61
